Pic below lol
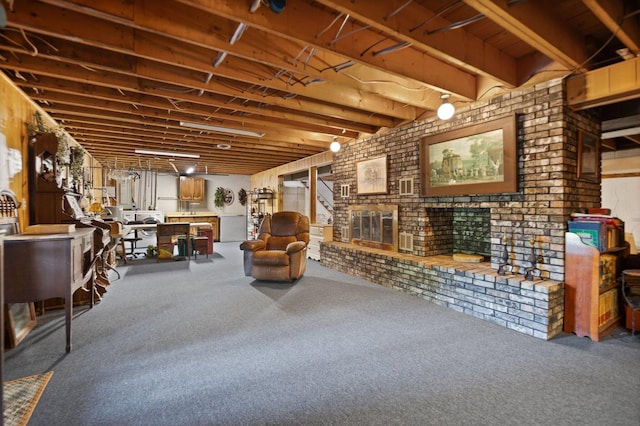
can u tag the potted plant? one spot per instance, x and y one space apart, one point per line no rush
151 251
218 197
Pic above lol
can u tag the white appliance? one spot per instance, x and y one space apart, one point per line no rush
147 237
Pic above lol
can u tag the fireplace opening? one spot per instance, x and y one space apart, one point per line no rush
458 230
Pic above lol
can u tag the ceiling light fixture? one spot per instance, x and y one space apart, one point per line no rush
223 146
222 129
625 54
167 153
446 110
335 145
190 170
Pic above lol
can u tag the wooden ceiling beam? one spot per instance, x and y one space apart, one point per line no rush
295 25
459 48
45 83
186 111
531 22
612 14
350 97
115 81
338 117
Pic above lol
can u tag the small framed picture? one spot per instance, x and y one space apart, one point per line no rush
588 157
372 176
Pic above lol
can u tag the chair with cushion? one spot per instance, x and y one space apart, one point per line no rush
280 252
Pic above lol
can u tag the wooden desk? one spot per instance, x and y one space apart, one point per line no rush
39 267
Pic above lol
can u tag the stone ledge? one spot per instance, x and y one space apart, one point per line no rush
472 288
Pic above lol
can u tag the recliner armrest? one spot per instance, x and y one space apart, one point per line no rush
295 247
253 245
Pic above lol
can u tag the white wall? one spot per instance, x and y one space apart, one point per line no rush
622 194
232 217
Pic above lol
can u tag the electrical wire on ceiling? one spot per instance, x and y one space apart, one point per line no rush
456 25
394 48
392 14
339 67
359 80
437 14
330 25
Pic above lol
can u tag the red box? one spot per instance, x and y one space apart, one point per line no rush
627 315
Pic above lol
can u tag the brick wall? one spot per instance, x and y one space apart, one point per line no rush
548 191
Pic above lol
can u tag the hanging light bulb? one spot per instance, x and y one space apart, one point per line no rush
446 110
335 145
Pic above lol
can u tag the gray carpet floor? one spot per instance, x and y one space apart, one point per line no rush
198 343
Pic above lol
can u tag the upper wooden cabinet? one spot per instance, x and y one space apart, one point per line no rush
191 188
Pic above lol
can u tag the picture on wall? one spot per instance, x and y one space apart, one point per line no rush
479 159
372 176
588 157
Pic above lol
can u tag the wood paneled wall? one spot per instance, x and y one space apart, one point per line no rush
16 109
272 178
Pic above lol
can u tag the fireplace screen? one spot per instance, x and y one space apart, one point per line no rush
374 226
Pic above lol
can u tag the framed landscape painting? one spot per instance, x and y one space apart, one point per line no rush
479 159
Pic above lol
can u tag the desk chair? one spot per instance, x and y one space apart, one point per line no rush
131 240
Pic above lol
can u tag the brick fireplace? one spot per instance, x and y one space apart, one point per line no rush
547 192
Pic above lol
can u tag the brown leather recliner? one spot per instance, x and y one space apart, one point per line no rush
280 252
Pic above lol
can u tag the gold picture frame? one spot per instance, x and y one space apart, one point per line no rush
479 159
372 176
19 320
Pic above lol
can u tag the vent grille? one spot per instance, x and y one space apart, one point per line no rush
344 230
406 241
406 186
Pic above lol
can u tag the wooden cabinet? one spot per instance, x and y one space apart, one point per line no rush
44 195
591 292
191 188
212 219
318 234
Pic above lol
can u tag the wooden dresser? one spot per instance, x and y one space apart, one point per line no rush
198 217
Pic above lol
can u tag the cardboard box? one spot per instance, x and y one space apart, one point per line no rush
57 228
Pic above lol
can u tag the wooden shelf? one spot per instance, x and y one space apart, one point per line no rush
589 309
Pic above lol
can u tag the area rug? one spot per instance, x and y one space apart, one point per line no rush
21 397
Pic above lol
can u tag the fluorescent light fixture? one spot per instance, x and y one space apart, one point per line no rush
630 131
167 153
222 129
